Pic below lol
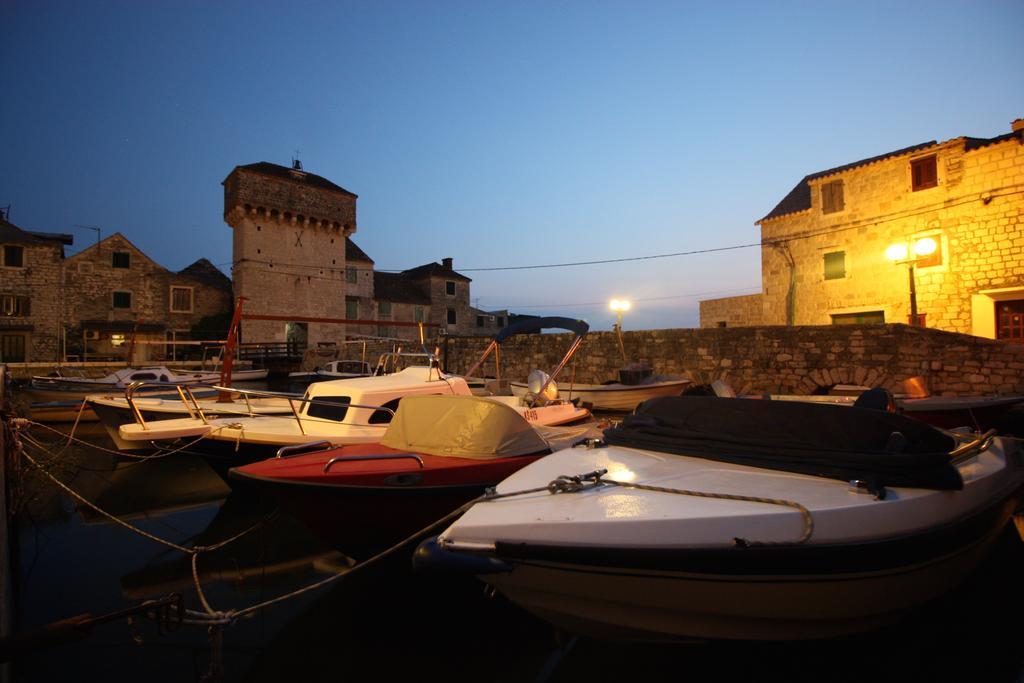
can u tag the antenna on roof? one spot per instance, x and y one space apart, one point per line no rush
296 164
92 227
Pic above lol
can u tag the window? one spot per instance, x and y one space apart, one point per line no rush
14 306
122 300
832 197
351 275
417 314
14 257
865 318
384 308
501 321
1010 321
329 407
835 265
181 299
449 288
452 318
923 173
383 331
479 321
85 267
351 308
121 259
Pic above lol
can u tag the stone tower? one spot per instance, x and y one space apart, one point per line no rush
289 250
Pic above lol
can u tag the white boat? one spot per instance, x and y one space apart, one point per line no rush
715 518
113 410
60 387
614 396
336 369
540 387
341 412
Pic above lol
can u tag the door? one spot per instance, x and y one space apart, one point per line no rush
12 348
1010 321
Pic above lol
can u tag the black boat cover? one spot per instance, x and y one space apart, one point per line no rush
580 327
838 442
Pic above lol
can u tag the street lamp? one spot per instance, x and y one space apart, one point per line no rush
899 253
620 306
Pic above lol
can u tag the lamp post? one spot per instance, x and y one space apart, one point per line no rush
619 306
899 253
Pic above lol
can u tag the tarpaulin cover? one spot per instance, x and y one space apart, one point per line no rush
837 442
461 426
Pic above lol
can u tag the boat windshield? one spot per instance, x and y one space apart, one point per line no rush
329 407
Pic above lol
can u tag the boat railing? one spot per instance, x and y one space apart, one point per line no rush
195 411
971 448
355 458
303 448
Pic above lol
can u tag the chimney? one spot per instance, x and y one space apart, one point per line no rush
447 263
1017 125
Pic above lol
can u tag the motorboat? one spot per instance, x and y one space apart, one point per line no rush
947 412
540 387
616 396
59 386
716 518
437 453
335 369
196 402
346 411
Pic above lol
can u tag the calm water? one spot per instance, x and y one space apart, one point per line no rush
388 623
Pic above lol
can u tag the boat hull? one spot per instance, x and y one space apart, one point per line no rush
617 397
757 593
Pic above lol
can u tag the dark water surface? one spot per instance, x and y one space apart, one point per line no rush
386 622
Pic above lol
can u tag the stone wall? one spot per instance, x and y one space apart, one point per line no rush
771 359
734 311
38 279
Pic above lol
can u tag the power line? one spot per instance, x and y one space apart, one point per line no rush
650 298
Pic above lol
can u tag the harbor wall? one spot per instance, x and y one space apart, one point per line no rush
771 359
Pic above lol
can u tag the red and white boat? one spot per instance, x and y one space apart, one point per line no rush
437 453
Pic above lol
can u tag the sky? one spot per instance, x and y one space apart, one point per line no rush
500 134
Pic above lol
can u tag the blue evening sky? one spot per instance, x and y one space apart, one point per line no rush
499 134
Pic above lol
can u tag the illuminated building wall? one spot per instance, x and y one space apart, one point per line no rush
823 256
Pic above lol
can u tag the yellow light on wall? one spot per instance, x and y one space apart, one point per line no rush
925 246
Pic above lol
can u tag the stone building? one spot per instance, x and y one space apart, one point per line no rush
824 246
432 293
31 300
289 251
114 291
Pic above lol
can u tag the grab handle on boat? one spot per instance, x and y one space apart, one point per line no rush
312 446
353 458
972 448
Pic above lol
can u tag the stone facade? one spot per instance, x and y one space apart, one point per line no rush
114 290
733 311
31 297
824 261
289 251
775 359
